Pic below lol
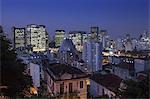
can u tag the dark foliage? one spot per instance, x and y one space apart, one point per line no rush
12 70
139 90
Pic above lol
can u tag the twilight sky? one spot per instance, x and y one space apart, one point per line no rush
117 16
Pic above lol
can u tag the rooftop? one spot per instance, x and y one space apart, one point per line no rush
59 69
110 81
125 65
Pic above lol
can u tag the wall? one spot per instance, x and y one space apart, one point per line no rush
97 90
122 73
75 87
35 73
139 65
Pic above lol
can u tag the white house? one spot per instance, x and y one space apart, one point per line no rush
104 84
66 81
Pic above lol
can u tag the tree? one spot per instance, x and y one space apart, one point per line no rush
12 71
137 90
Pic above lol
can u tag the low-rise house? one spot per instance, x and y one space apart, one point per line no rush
142 64
104 84
124 70
66 81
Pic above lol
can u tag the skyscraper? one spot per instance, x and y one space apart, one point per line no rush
94 32
37 37
19 37
78 37
102 37
92 55
59 36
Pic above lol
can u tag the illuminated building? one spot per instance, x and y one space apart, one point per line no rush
59 36
94 32
78 37
103 37
67 51
2 34
128 46
92 55
67 82
144 41
119 44
37 37
19 37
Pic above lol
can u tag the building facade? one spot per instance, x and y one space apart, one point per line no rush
67 52
66 82
92 55
19 37
37 37
78 37
59 36
102 84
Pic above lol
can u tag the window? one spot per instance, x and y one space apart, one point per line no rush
62 88
81 84
70 87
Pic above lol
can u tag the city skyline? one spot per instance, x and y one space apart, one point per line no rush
74 49
118 17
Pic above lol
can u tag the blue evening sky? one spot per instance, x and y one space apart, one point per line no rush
117 16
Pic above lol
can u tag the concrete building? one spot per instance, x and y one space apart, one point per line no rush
95 33
119 44
103 38
67 52
92 55
104 85
142 64
124 70
59 36
19 37
35 74
78 37
128 46
66 82
37 37
94 30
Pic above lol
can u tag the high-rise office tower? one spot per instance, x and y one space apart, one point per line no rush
94 32
92 55
19 37
78 37
119 44
59 37
102 37
37 37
